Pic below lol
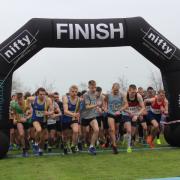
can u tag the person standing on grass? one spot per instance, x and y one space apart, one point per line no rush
22 112
133 113
159 107
70 119
90 111
115 104
42 109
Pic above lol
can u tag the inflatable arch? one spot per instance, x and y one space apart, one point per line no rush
83 33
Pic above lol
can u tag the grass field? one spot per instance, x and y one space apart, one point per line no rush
141 164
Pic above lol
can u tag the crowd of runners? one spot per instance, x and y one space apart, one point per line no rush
86 120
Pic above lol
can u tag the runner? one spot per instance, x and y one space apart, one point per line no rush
70 118
115 102
90 114
134 112
22 112
99 114
58 121
11 124
51 123
159 106
42 108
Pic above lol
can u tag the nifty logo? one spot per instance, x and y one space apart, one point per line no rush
17 46
159 43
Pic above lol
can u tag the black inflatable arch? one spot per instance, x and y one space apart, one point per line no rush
81 33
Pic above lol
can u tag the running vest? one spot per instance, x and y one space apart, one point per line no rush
133 104
50 119
72 108
115 102
20 111
38 110
156 106
148 106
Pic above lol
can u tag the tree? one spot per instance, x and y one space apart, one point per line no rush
156 80
17 85
123 82
49 86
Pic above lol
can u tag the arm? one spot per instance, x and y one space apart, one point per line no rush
150 100
30 100
164 109
88 104
105 103
141 104
65 106
125 103
57 111
50 110
29 110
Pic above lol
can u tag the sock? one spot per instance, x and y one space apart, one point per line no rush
91 146
40 150
128 140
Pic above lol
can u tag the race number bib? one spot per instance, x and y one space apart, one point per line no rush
156 111
39 113
134 109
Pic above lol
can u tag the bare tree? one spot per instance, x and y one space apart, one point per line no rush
49 86
156 80
18 86
123 82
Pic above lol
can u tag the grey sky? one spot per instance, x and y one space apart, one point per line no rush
73 66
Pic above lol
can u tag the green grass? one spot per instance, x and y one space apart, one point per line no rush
104 166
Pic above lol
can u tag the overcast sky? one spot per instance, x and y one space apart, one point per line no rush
64 67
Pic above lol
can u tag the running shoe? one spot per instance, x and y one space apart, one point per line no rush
92 150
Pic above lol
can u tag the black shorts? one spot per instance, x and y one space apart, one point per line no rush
145 117
105 122
129 119
67 125
59 126
99 120
86 122
117 118
51 127
42 124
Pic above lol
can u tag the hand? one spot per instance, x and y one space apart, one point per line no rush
166 113
46 113
117 113
23 120
98 109
134 118
76 116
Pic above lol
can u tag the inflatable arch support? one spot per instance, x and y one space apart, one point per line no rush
83 33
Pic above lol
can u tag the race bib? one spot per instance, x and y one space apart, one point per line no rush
156 111
134 109
39 113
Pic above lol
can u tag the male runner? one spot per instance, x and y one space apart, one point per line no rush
71 117
42 109
159 106
90 114
22 112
